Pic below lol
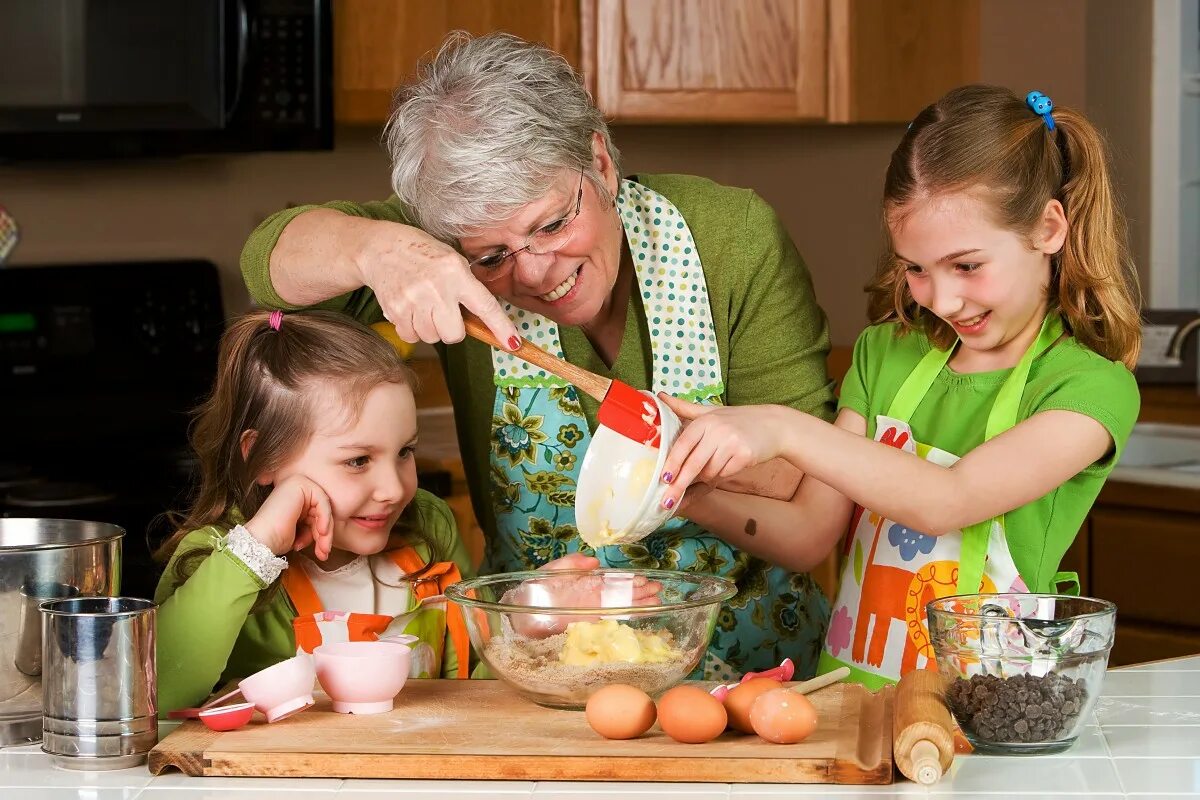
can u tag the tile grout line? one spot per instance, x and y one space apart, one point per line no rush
1113 762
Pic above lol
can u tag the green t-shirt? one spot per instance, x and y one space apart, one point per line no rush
952 417
772 336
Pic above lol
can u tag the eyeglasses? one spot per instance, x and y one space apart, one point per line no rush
550 238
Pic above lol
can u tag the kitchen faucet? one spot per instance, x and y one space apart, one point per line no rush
1175 348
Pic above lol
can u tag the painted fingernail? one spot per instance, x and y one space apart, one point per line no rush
513 343
669 502
667 477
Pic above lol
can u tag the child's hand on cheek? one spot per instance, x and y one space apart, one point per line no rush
295 514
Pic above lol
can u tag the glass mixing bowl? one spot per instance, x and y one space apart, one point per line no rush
1023 671
558 636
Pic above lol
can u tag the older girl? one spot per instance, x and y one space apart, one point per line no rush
1006 323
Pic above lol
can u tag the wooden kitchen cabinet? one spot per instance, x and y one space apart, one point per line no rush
1137 643
776 60
686 61
378 43
891 58
1143 543
1144 561
707 60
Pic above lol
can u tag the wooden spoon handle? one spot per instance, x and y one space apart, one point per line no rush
821 681
588 382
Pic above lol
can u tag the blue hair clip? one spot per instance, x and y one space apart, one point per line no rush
1041 105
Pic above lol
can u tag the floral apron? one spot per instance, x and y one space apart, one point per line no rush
430 617
539 432
890 572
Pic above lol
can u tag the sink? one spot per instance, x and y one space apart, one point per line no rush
1163 454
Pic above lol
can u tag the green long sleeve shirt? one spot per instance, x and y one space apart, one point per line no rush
208 634
772 336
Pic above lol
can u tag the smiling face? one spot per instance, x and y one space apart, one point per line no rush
365 465
989 283
570 286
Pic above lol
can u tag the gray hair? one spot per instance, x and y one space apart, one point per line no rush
487 127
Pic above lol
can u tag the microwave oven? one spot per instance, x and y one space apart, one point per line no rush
110 78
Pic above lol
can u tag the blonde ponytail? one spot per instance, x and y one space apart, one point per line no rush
1097 285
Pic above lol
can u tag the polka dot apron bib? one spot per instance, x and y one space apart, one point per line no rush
539 434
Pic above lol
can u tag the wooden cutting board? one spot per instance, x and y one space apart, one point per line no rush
473 729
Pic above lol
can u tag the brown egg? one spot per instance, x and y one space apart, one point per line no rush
741 697
783 716
691 715
620 711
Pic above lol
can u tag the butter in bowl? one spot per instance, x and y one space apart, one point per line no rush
557 637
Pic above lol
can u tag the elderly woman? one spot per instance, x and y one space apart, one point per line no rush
509 202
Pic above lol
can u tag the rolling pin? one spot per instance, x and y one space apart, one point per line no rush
922 729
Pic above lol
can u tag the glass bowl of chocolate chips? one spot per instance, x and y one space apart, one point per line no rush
1022 671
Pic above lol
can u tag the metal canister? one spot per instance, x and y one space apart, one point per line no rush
43 559
99 685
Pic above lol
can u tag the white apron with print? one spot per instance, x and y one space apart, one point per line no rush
890 571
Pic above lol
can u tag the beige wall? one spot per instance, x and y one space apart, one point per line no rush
1119 36
823 181
195 207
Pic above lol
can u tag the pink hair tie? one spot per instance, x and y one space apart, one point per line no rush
276 319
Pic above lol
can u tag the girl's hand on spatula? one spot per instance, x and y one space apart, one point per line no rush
717 442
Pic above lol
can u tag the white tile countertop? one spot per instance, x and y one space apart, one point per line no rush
1144 741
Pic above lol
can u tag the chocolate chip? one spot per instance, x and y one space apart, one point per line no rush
1021 709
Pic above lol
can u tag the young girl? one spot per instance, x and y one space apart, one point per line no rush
307 503
1005 323
308 526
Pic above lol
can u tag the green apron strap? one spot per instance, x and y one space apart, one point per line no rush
972 557
1002 417
1069 578
915 386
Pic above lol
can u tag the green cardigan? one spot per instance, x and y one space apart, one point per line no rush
772 336
207 635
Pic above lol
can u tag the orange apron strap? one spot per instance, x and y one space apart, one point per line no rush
436 579
301 591
456 624
408 560
308 634
367 627
303 594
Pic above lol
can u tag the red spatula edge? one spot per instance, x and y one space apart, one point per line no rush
632 414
